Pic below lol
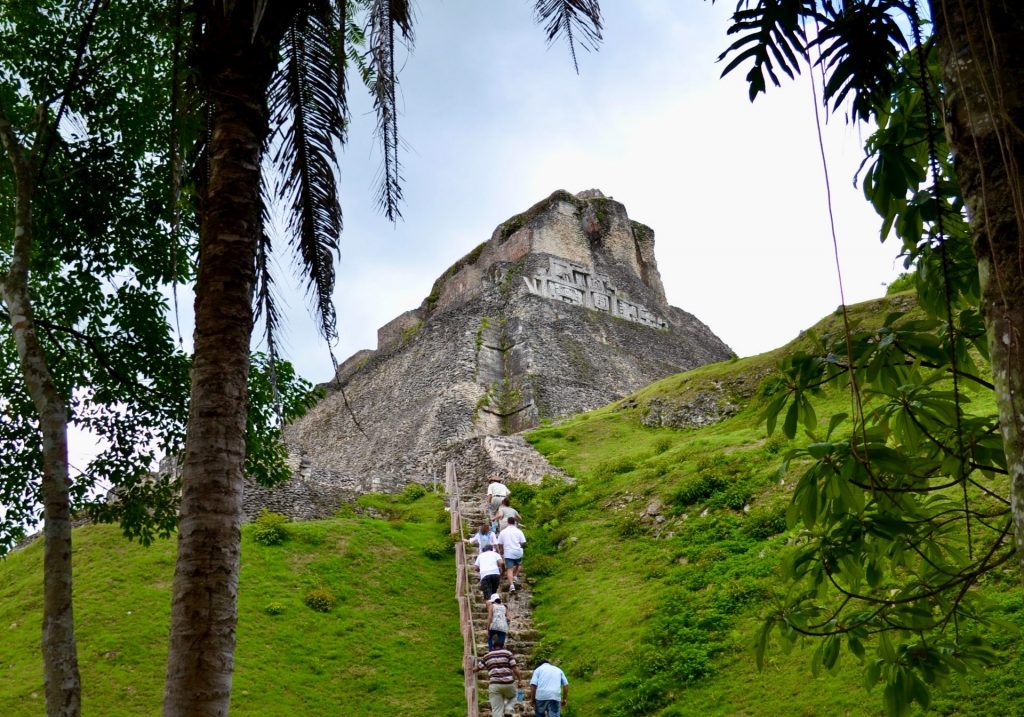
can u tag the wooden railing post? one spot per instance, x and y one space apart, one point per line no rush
462 592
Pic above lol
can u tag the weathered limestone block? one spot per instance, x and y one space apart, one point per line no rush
398 329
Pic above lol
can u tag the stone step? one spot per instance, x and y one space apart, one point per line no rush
522 636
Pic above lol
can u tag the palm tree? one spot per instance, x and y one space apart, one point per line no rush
269 73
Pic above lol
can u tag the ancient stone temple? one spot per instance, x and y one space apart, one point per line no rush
562 310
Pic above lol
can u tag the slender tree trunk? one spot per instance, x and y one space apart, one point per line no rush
234 68
982 50
60 655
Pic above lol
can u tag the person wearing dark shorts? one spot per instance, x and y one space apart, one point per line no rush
511 541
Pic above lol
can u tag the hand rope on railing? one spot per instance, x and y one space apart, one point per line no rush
462 593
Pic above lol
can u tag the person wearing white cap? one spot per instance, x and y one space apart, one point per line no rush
497 621
496 492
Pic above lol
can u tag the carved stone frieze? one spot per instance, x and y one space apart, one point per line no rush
580 285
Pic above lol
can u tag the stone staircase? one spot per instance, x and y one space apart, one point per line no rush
521 635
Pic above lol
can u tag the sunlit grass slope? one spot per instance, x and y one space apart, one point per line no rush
389 646
655 565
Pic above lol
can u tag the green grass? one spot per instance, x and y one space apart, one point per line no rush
646 616
390 645
658 617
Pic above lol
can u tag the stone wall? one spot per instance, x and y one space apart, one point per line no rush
399 329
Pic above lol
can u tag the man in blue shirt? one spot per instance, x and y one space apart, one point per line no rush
548 690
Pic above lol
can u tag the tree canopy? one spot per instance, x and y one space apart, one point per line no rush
906 502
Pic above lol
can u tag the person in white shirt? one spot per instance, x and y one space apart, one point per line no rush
496 492
511 541
490 565
549 690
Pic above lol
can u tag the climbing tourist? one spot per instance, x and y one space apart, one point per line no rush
511 541
503 513
496 492
502 676
497 621
490 565
483 536
549 689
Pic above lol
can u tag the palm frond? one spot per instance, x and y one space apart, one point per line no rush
771 36
387 16
266 306
305 104
578 21
861 44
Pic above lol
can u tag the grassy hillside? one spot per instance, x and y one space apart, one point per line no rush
651 570
390 645
657 563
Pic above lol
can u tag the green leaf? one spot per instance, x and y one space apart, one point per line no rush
819 450
873 575
762 642
830 653
789 426
885 648
872 674
919 691
834 422
810 418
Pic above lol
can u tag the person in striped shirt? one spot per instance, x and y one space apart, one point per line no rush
502 676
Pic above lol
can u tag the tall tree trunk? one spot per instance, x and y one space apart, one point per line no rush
234 66
982 50
60 655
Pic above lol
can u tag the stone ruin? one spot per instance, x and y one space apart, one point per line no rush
562 310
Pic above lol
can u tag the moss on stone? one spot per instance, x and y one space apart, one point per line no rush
511 274
435 290
641 232
409 331
601 211
485 323
512 225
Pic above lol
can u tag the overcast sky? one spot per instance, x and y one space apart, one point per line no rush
494 121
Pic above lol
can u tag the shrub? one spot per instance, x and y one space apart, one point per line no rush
766 522
320 599
735 497
540 566
662 444
545 649
269 528
555 488
615 466
274 608
690 490
629 526
521 493
774 445
439 549
903 282
413 492
689 662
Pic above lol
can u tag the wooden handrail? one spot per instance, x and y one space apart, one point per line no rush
462 593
